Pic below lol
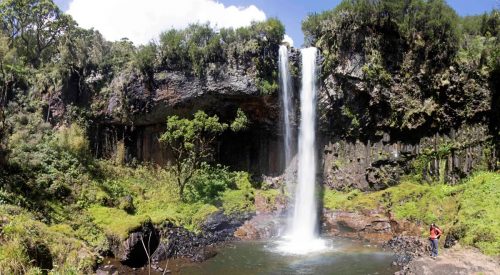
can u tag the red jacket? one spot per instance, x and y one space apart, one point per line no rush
435 233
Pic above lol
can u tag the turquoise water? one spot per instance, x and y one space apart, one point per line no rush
344 257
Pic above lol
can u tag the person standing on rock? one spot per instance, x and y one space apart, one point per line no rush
434 235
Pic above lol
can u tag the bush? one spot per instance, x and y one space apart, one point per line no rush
209 182
197 46
28 244
72 139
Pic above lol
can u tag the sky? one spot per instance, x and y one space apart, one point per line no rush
142 20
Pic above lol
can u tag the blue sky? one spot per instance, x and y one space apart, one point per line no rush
292 12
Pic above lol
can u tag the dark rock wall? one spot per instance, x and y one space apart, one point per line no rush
258 151
369 134
411 116
374 165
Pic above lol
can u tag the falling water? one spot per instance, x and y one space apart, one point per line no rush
286 86
303 234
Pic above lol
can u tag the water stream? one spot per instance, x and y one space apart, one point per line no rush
263 257
288 113
302 234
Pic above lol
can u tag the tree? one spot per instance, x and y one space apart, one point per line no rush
10 69
145 59
191 142
33 27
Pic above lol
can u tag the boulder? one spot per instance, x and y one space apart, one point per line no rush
134 250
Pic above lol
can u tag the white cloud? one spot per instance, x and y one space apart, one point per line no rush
288 39
143 20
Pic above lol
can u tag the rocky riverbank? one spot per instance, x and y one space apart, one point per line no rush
166 241
181 247
456 260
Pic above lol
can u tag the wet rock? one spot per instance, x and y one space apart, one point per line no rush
266 205
406 248
220 227
383 174
450 241
273 182
453 261
260 227
178 242
372 225
204 253
107 270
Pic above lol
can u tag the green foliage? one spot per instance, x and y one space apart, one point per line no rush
46 165
145 59
468 210
478 215
115 221
240 199
240 122
196 47
237 201
121 54
374 69
23 237
208 182
428 27
267 87
34 27
191 143
72 139
174 53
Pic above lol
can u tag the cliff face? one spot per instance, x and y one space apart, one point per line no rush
371 133
405 116
389 104
134 116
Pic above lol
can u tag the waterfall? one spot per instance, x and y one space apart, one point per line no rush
288 114
303 232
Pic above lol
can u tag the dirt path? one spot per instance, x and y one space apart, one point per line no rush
455 261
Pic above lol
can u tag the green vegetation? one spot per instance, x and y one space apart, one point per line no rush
194 48
61 208
191 142
29 246
415 58
469 210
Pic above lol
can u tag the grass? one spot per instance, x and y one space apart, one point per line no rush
234 201
23 237
469 210
115 221
155 199
479 214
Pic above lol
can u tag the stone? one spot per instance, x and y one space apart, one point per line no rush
131 250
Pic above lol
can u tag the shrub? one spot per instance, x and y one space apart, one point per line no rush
209 182
72 139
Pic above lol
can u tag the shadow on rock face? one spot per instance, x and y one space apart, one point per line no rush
139 245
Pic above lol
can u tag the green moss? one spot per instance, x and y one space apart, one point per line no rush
22 233
334 200
269 194
237 201
115 221
350 201
479 213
